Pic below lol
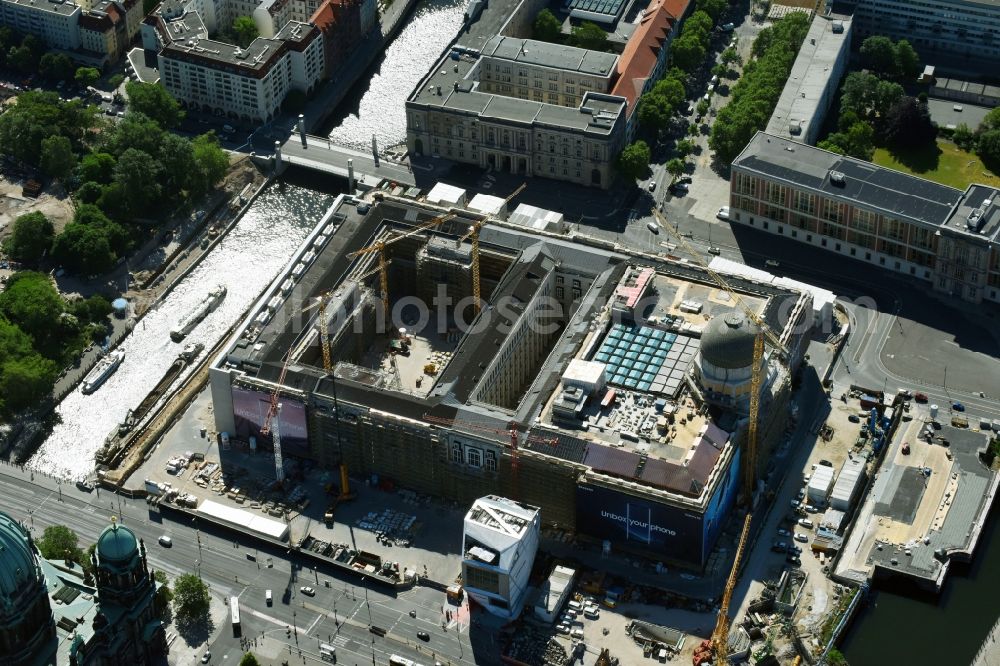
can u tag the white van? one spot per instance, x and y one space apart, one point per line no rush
575 605
267 597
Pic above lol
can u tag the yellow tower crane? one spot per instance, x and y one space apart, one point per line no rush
323 300
756 375
383 264
720 636
473 233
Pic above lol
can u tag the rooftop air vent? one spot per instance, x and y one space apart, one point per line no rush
837 177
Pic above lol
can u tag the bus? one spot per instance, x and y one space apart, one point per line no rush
234 608
327 652
396 660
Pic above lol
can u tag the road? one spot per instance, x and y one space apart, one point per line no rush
339 614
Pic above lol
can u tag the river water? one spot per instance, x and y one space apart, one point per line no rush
245 261
379 107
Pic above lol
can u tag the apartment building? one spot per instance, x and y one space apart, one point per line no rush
957 27
543 72
53 21
247 84
453 113
931 232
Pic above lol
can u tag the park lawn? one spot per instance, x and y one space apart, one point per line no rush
943 163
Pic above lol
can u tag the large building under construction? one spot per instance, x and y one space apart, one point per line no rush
611 391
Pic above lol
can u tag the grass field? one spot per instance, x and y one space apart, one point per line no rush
943 163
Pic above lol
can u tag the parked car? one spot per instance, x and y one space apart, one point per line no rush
207 657
728 27
653 227
783 532
685 179
794 560
779 547
801 495
799 536
853 418
826 463
166 541
679 187
806 523
308 591
792 548
652 186
795 504
563 628
715 250
958 407
920 397
723 213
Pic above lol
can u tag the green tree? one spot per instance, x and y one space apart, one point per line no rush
23 60
164 595
86 76
136 130
991 120
92 216
83 249
31 237
249 659
87 564
699 24
93 310
675 167
141 178
714 8
56 67
702 107
869 97
153 100
546 27
245 30
191 600
672 91
858 141
633 162
963 137
59 542
116 80
33 304
39 115
97 167
907 124
988 147
57 159
113 203
878 54
211 160
907 62
835 658
654 112
687 52
730 56
176 156
90 192
685 147
591 36
26 377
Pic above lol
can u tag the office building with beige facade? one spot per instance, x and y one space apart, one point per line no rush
524 107
938 234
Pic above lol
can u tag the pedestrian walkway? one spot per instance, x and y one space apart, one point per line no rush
989 652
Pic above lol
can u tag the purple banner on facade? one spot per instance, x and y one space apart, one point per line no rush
250 410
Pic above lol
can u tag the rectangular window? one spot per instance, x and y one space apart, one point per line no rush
456 453
481 579
491 460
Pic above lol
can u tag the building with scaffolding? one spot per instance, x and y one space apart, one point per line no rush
573 389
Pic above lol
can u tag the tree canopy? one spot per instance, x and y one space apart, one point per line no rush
57 159
32 303
153 100
858 141
249 659
59 542
546 27
714 8
191 600
40 115
633 161
892 60
908 123
589 35
31 238
869 97
87 76
245 30
755 95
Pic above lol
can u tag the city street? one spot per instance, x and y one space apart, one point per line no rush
340 613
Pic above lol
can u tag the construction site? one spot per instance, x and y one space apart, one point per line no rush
460 355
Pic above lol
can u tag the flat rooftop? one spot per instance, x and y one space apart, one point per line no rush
501 515
52 6
807 84
452 84
883 190
555 56
978 213
924 506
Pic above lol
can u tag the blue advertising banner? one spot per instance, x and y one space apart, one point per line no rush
625 520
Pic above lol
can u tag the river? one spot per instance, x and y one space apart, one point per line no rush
379 107
245 261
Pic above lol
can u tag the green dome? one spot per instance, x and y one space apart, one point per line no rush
727 341
17 561
117 543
